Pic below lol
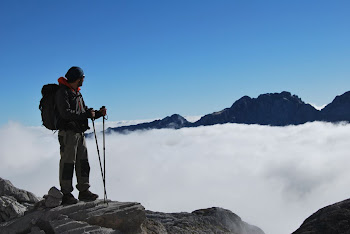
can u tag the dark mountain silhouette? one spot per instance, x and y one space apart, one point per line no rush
274 109
174 122
328 220
338 110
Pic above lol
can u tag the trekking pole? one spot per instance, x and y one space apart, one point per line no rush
104 154
99 159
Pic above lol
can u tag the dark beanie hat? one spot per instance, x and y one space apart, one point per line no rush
74 73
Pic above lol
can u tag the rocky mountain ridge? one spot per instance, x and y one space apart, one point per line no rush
23 212
331 219
275 109
174 122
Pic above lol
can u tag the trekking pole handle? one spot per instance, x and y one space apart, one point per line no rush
104 117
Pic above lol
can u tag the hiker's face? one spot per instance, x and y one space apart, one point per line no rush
80 83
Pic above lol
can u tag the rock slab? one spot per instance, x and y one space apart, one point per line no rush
83 217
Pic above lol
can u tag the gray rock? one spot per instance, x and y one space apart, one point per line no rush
124 216
212 220
53 198
55 192
89 217
328 220
10 208
64 224
36 230
22 196
151 226
14 202
114 217
51 202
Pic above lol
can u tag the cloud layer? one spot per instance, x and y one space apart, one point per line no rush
272 177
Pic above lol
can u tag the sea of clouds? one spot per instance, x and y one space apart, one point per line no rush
272 177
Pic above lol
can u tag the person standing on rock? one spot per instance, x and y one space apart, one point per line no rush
72 123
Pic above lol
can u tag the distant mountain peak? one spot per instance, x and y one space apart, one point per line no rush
174 121
275 109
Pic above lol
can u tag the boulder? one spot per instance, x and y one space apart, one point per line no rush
55 192
328 220
53 198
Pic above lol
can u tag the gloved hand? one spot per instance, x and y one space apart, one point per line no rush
103 111
91 113
100 113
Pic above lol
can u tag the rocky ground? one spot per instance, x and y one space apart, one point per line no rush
23 212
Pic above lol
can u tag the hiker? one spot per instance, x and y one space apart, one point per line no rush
72 123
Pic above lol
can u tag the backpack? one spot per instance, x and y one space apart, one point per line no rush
47 106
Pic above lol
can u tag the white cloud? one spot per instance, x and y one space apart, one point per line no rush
193 118
272 177
317 107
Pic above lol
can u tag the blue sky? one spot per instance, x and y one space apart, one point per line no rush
150 59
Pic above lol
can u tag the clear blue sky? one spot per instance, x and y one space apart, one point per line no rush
150 59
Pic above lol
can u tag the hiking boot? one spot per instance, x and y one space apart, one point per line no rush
87 196
69 199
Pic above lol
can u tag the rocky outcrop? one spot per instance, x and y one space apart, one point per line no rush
10 208
113 217
14 202
128 218
83 217
328 220
212 220
22 196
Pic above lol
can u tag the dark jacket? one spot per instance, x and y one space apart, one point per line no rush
73 113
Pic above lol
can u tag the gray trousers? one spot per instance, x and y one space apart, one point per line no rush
73 154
